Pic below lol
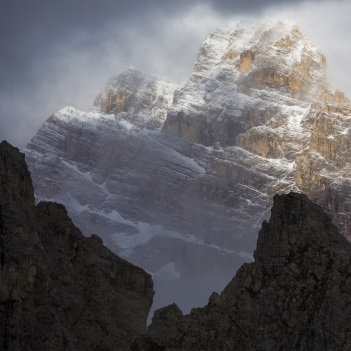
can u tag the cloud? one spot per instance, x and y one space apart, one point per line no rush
73 68
56 54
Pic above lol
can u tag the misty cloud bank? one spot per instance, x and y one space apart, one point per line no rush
59 54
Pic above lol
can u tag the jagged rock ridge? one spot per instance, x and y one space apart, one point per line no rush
62 291
140 99
58 289
295 296
257 117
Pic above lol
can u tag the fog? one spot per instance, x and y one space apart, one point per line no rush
59 55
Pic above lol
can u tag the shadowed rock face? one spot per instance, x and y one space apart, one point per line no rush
58 289
295 296
62 291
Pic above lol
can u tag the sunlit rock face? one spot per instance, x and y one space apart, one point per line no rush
180 182
140 99
246 74
263 87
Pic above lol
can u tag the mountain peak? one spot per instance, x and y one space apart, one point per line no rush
132 94
244 72
266 55
293 297
296 225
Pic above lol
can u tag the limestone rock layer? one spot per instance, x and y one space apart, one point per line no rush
140 99
178 181
58 289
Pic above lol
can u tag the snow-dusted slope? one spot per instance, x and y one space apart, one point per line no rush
245 75
148 196
138 98
257 117
262 87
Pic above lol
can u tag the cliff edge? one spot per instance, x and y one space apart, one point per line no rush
60 290
295 295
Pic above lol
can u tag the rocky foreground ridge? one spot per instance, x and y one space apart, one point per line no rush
58 289
179 180
62 291
296 295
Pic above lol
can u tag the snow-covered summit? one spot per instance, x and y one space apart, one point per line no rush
246 73
141 99
274 54
70 112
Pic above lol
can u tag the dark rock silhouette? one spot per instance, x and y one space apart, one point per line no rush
60 290
295 296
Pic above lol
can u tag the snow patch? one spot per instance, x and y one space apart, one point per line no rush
167 272
126 124
244 254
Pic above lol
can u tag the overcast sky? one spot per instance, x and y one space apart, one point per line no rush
58 53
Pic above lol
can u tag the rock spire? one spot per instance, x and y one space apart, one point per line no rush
295 295
58 289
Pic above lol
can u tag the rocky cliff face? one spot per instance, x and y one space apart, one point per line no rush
258 70
295 296
142 100
58 289
275 103
62 291
257 117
